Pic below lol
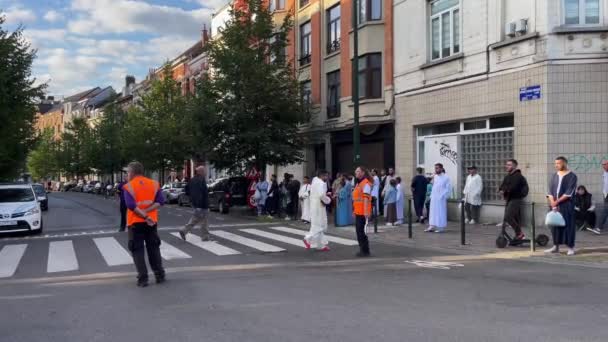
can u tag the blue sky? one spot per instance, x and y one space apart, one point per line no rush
87 43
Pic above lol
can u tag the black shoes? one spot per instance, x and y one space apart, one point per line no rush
182 235
161 279
363 255
142 282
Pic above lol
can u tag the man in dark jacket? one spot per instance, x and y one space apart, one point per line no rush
272 201
293 187
514 189
199 197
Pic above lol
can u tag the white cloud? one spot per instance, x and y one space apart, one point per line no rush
18 15
126 16
53 16
44 38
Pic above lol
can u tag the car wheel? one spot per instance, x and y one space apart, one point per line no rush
222 208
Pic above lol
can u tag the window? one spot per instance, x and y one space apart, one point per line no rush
582 12
473 125
304 3
333 29
370 10
333 94
306 89
370 76
274 5
305 43
445 28
502 122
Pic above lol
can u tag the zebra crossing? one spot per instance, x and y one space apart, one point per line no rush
62 255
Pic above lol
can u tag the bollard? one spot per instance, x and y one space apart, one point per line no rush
533 237
409 218
462 225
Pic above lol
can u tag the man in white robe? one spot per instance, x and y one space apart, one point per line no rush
304 195
442 190
400 202
472 195
376 190
319 199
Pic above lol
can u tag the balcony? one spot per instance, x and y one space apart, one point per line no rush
305 60
333 46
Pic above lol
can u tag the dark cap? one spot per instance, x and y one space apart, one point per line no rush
472 167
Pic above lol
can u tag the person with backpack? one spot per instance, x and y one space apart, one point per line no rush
514 189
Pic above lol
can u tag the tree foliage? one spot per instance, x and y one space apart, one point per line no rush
78 148
17 106
250 107
43 160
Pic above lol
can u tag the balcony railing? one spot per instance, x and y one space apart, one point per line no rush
305 60
333 46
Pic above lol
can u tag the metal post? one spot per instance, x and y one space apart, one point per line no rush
355 90
462 225
533 237
409 218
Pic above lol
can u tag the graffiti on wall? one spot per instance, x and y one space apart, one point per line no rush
447 152
586 162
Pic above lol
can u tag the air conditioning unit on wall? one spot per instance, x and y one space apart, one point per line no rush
510 29
521 26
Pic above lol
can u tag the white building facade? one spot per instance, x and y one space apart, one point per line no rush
480 82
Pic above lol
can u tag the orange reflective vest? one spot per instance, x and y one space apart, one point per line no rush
360 197
143 190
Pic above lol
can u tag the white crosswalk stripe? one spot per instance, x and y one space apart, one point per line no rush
335 239
261 246
10 256
210 246
62 257
169 252
113 253
276 237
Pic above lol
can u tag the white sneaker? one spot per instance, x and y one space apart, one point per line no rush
430 229
472 222
595 231
467 221
553 249
389 224
571 251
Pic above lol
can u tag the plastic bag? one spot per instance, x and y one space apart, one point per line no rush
555 219
257 195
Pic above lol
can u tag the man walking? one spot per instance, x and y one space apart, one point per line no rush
419 183
318 219
199 197
143 197
604 212
123 206
472 195
442 188
362 208
514 189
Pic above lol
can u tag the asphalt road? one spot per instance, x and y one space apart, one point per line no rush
401 294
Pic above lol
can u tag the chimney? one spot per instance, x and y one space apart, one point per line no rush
50 98
205 35
130 79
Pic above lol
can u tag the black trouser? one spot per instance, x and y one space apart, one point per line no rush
361 236
472 211
141 234
123 216
513 214
586 217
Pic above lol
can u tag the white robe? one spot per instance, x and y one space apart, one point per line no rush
442 189
304 195
318 214
400 203
472 190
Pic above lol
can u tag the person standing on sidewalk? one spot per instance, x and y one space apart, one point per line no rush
123 206
400 202
362 208
390 202
604 211
514 189
293 187
385 184
143 197
472 195
319 199
375 183
304 195
419 188
272 200
199 198
561 199
442 188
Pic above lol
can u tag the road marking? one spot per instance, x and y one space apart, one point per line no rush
169 252
276 237
337 240
434 264
10 256
210 246
112 251
19 297
62 257
261 246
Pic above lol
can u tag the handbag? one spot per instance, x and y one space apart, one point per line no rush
257 195
555 219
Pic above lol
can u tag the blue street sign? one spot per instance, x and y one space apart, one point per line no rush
529 93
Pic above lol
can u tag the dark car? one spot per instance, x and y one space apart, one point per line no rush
41 195
223 193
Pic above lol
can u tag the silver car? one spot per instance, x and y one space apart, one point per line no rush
171 191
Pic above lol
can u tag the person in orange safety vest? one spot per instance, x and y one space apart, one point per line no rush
362 208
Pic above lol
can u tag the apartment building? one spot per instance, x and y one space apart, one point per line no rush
479 82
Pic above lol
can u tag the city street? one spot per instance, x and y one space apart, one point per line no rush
255 282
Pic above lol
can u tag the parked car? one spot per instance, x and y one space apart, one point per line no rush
171 191
89 187
41 195
223 193
19 209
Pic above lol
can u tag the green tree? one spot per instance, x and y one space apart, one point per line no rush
17 101
42 161
250 110
107 134
78 148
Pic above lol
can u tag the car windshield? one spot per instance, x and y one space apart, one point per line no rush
16 195
39 190
180 185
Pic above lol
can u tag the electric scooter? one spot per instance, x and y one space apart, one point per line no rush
504 239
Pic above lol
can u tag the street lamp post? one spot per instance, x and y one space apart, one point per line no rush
355 90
